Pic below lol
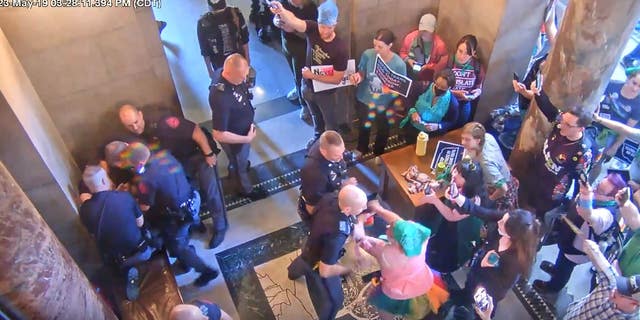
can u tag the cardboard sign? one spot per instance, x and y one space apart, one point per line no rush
327 71
391 79
448 152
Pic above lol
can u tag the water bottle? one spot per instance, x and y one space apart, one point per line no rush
421 143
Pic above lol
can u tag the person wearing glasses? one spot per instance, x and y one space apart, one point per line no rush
435 110
567 151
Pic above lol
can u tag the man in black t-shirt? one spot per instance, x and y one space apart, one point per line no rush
324 171
189 144
222 32
294 46
232 116
324 48
333 222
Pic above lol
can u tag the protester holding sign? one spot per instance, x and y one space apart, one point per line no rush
469 76
371 95
435 110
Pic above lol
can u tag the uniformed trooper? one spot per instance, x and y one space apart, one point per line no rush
232 115
164 192
188 143
332 224
324 171
115 221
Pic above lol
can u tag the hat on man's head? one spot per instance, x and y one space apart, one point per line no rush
96 179
113 151
328 13
217 4
410 236
427 23
629 286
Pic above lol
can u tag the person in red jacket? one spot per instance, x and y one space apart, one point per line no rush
424 52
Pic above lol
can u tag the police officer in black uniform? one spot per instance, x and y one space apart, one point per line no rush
195 150
332 224
232 115
115 220
164 192
324 171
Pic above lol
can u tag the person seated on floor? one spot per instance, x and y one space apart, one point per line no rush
483 148
374 102
198 310
423 50
324 171
114 219
406 286
435 110
594 213
318 262
614 298
469 74
506 255
621 103
455 238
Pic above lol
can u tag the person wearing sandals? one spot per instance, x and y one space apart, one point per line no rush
407 286
370 95
483 148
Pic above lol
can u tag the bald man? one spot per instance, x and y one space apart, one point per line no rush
195 151
198 310
333 222
232 115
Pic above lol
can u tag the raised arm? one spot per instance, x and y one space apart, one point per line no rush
287 18
618 127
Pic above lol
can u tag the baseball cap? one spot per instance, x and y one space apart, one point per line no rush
328 13
112 152
410 236
629 286
427 23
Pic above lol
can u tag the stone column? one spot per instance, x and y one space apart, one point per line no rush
589 43
39 277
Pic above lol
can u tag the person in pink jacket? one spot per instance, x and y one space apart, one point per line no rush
424 52
407 286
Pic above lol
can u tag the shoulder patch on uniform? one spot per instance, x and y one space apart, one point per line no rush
172 122
219 86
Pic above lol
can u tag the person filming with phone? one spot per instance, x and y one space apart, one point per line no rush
506 255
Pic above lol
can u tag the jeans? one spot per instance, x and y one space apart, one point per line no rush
324 109
382 124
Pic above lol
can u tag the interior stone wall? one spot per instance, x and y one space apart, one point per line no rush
34 152
82 61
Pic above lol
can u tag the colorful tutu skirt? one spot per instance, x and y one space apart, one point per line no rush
414 308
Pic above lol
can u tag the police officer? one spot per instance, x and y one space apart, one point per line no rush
114 219
332 224
188 143
232 115
164 192
324 171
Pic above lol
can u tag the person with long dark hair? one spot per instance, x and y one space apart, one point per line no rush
454 237
506 255
469 73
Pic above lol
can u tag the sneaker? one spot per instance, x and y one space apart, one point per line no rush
205 277
542 287
217 238
133 284
548 267
293 95
256 193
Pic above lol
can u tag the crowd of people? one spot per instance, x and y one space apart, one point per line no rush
146 187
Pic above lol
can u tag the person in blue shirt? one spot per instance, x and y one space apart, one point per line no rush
371 95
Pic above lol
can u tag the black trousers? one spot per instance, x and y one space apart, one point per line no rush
326 293
295 52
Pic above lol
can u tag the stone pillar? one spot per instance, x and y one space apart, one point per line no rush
589 43
39 277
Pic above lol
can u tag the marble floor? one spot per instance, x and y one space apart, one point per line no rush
265 235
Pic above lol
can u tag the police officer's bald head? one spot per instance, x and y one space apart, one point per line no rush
186 312
131 118
96 179
352 200
235 69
